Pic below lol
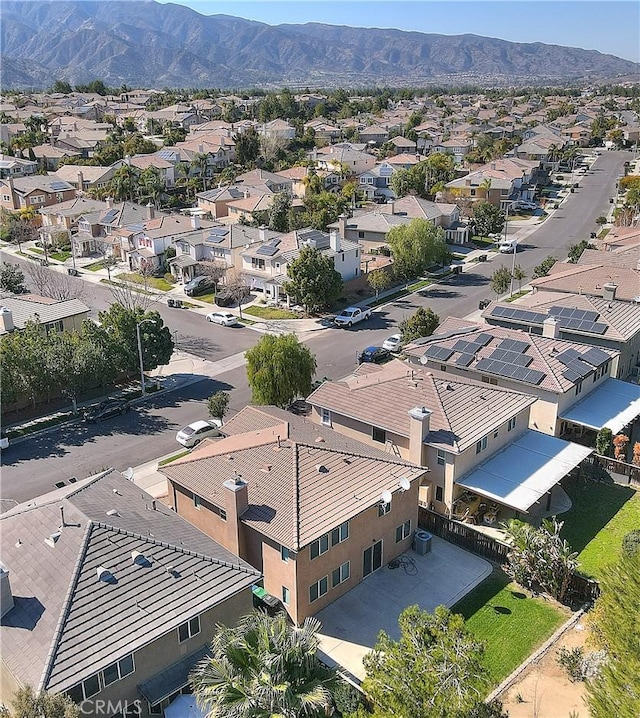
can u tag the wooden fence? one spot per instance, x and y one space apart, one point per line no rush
613 466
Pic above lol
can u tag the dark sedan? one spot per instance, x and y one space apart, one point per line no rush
107 409
374 355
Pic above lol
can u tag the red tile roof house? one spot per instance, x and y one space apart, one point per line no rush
314 511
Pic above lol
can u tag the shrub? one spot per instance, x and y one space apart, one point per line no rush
581 667
169 278
347 698
604 442
631 543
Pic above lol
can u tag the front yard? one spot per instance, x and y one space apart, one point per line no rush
154 282
601 515
270 312
509 621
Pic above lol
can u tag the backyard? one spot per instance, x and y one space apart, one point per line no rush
509 621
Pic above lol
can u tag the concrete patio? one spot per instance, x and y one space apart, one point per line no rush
350 625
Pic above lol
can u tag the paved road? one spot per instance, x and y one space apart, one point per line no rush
33 467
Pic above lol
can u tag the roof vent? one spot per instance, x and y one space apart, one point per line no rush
139 559
116 492
18 543
321 469
105 575
112 512
265 468
52 540
320 440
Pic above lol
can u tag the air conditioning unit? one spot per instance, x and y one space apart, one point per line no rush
422 542
635 371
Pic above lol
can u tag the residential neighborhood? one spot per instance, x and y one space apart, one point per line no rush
200 438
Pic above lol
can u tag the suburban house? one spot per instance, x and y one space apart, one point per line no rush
375 183
34 192
215 201
108 595
598 280
499 182
265 265
459 147
574 383
331 181
343 158
323 130
164 168
85 177
54 315
278 129
64 217
259 178
403 145
374 134
469 434
314 511
596 321
16 167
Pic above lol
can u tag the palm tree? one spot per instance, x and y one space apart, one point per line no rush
265 667
124 182
485 186
200 162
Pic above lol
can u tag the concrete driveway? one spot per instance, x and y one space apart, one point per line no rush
350 625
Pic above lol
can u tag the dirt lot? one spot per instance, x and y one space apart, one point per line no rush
545 689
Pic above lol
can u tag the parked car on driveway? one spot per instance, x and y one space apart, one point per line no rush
226 319
374 355
392 343
106 409
198 285
195 432
525 204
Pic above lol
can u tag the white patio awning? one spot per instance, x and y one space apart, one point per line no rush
614 404
524 471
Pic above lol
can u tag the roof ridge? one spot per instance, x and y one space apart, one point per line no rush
296 488
390 460
64 614
534 344
436 390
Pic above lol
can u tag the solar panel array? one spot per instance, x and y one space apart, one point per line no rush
595 357
578 366
267 249
511 357
510 371
464 359
110 216
466 347
518 315
581 325
483 339
438 352
571 313
59 185
217 235
579 320
513 345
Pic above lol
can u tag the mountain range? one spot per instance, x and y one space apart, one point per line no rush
147 44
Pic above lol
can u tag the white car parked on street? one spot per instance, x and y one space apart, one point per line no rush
193 434
392 343
226 319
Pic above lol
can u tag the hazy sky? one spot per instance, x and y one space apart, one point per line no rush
610 27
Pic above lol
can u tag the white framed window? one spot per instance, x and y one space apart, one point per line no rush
91 686
481 445
6 198
340 533
118 671
340 574
441 458
496 433
286 596
284 553
189 629
319 546
384 509
512 424
326 417
403 531
319 588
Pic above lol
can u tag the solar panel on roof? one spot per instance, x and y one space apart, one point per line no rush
438 352
110 215
506 312
464 360
511 357
568 356
482 339
267 249
571 313
510 371
513 345
518 315
595 357
466 347
58 185
571 375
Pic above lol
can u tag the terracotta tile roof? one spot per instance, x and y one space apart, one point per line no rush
464 410
589 279
628 257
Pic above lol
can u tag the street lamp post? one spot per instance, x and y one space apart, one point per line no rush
138 325
513 266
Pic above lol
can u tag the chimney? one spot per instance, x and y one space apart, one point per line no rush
195 221
151 212
6 595
420 420
109 201
551 328
609 291
80 181
262 232
342 225
392 207
247 194
6 320
334 240
236 501
62 522
222 142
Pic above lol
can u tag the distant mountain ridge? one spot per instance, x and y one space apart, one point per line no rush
146 44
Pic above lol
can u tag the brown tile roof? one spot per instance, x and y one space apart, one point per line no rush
463 410
628 257
544 352
589 279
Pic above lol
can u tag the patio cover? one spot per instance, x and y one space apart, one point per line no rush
184 706
613 405
172 679
524 471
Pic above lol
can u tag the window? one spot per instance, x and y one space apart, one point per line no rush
496 433
286 596
197 501
379 435
443 367
439 493
342 257
76 693
118 670
360 235
36 199
189 629
54 327
284 553
340 574
257 263
91 686
489 380
6 198
326 417
472 192
578 387
481 445
319 588
340 534
442 457
403 532
319 546
384 509
512 424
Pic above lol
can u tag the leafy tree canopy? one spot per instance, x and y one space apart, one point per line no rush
313 280
218 404
500 280
488 219
422 324
27 704
12 278
415 247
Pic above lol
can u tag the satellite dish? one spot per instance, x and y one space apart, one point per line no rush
405 484
128 474
423 360
385 498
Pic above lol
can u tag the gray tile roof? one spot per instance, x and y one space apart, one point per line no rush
25 310
67 624
463 410
300 485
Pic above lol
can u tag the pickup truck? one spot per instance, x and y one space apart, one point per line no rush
351 316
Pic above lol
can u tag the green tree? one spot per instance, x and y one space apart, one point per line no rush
12 278
615 628
313 280
124 182
150 185
155 338
434 669
519 274
379 281
218 404
488 219
422 324
265 667
415 247
279 212
542 269
323 209
279 370
26 703
576 250
247 147
440 169
62 87
604 441
500 280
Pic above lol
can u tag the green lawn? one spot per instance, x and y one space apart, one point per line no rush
510 623
517 295
61 256
36 250
269 312
155 282
601 515
95 266
175 457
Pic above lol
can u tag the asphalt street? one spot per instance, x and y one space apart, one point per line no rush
34 466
